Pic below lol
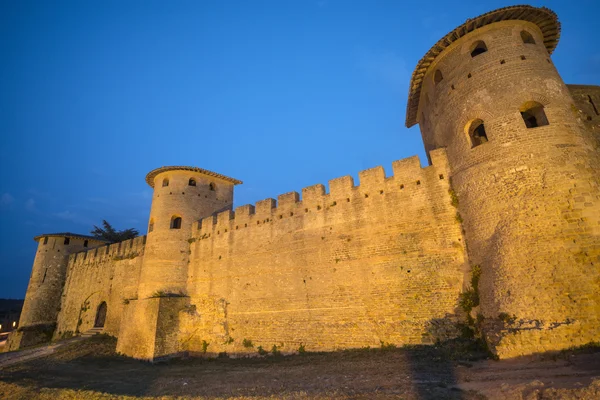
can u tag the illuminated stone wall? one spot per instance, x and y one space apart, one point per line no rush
382 261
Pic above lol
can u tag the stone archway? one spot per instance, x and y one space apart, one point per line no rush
100 315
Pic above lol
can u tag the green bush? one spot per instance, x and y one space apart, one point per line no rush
247 343
275 350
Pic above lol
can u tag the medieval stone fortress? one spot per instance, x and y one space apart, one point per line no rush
500 234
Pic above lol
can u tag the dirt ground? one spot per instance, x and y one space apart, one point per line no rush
90 369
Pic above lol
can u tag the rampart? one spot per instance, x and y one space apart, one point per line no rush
383 261
107 274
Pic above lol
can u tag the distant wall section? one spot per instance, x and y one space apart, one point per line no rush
107 274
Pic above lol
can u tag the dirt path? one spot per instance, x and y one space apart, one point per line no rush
15 357
92 370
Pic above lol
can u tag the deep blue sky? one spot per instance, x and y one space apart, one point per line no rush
280 94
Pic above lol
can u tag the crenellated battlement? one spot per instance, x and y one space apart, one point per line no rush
130 248
408 176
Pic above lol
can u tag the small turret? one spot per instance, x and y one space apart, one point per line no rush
182 196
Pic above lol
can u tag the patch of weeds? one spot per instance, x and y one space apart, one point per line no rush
506 318
275 350
302 349
387 346
458 218
468 300
126 301
191 240
205 345
229 340
453 197
247 343
262 351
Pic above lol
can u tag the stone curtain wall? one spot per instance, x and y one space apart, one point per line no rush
106 274
529 197
379 262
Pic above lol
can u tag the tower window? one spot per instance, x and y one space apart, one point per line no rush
85 243
437 76
192 182
527 37
46 240
176 223
211 186
533 114
478 48
151 226
476 132
67 241
165 182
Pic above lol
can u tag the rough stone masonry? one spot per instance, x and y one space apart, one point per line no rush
500 234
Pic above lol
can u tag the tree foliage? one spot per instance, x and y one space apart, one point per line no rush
107 232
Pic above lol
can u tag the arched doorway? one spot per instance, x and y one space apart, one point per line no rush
100 315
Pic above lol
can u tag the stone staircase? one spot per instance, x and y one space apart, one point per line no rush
92 332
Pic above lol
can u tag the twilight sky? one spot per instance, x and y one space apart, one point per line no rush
280 94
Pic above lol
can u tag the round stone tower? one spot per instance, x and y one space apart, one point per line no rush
182 196
525 173
42 300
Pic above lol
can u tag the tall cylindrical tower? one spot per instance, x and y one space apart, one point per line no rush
42 300
182 196
525 173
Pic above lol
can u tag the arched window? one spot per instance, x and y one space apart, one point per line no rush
533 114
527 37
476 131
192 182
478 48
437 76
85 243
176 222
211 186
165 182
67 241
151 225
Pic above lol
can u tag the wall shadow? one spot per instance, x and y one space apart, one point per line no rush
422 372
